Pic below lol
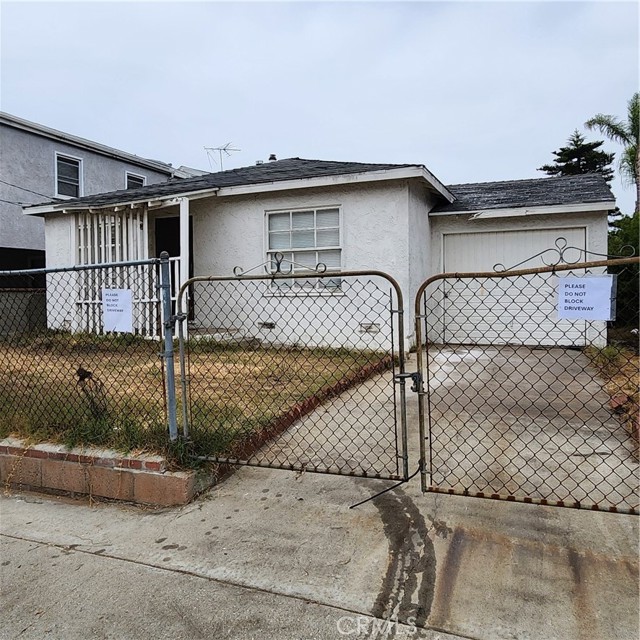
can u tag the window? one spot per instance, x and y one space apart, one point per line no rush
134 181
305 239
68 176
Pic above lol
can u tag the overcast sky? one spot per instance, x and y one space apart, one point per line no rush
475 91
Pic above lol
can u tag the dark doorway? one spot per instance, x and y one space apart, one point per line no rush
167 232
168 238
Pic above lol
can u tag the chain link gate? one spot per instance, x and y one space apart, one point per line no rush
300 371
521 405
65 374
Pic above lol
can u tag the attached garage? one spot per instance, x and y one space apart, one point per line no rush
488 250
519 310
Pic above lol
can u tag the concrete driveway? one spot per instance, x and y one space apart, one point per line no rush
531 422
274 554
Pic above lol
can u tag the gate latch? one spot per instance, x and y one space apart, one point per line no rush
416 376
171 321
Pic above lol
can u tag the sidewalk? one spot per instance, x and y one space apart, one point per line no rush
270 554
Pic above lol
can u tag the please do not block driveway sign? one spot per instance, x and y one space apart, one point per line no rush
117 310
586 297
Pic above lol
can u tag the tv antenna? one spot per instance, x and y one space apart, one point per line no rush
224 150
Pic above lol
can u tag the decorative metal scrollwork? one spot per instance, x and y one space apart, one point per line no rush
273 267
559 255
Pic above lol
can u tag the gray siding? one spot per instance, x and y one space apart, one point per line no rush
28 160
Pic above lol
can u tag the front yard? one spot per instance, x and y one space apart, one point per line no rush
236 391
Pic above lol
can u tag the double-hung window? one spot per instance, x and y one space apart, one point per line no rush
68 176
305 238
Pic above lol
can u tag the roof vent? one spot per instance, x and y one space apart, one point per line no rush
272 157
259 162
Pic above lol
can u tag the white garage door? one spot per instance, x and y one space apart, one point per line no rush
507 311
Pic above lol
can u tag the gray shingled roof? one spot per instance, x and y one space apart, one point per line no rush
276 171
536 192
469 197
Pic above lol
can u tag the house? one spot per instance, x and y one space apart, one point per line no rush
396 218
38 163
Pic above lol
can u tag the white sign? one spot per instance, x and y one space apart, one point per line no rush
117 310
586 298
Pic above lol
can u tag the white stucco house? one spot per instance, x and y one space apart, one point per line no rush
396 218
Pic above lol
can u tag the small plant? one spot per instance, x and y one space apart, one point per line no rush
93 431
606 359
619 367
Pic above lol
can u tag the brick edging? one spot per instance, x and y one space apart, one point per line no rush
96 460
140 479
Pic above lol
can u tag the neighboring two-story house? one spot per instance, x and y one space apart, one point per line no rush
39 164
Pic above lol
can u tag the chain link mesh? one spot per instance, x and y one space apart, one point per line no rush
62 377
526 406
295 374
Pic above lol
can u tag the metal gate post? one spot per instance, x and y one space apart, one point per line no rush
183 370
403 391
167 323
421 394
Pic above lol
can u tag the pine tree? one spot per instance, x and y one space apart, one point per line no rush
580 157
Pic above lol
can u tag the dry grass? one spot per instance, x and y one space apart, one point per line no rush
232 389
266 382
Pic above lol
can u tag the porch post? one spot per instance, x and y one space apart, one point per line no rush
184 245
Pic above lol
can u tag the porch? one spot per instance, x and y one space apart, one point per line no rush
125 235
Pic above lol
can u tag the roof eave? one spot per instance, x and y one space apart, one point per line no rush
512 212
54 134
154 202
437 185
400 173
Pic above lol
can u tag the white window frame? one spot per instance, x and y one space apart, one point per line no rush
305 289
67 156
128 174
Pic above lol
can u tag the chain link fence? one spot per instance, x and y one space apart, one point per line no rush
63 375
296 372
525 399
307 372
285 372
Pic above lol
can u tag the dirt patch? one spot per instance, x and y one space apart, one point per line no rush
619 369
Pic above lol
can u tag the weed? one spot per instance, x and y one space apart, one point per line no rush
606 359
